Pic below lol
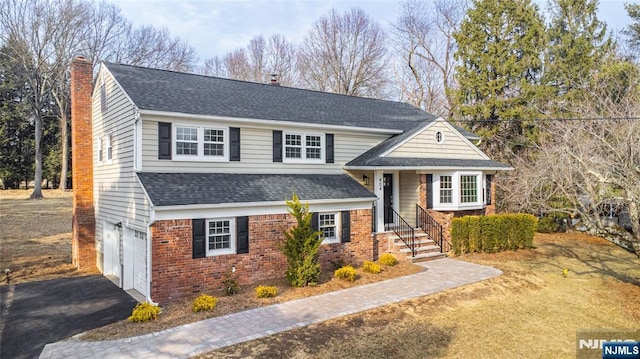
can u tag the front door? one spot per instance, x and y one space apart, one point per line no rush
388 197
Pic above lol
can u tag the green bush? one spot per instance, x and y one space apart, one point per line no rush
144 312
301 245
204 302
346 272
388 259
551 223
370 267
230 283
264 291
492 233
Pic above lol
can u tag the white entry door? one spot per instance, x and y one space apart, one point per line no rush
140 261
111 250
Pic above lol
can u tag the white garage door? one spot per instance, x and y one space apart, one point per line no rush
111 250
140 261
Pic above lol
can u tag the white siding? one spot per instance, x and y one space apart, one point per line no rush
409 195
255 150
118 195
424 145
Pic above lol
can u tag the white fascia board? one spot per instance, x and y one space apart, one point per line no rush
255 208
424 169
466 140
115 80
278 123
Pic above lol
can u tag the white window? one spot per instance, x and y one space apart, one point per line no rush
468 189
439 137
221 236
103 98
458 191
328 225
446 189
201 143
109 148
100 150
303 147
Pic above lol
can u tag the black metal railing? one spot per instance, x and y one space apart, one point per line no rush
432 228
401 228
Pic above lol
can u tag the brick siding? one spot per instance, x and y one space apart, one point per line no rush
83 224
175 275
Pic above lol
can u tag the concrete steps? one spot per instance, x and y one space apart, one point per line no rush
426 249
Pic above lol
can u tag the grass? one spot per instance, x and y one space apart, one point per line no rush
532 311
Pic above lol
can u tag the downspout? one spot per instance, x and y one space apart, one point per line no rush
149 240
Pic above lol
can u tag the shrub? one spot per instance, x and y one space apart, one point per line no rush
371 267
492 233
144 312
230 283
204 302
264 291
301 245
346 272
388 259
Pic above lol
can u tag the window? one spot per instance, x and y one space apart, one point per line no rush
468 189
109 148
187 141
100 150
439 137
446 189
328 225
220 233
103 98
300 147
201 143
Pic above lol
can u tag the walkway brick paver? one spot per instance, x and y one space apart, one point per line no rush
201 337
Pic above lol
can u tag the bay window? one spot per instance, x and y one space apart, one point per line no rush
458 191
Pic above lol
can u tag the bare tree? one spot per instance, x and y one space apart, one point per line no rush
584 166
346 54
43 34
261 59
423 35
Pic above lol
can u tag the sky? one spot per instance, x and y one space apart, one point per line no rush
215 27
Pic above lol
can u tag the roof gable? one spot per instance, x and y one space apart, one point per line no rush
422 144
167 91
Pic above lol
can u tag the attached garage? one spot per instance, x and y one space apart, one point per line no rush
135 261
111 250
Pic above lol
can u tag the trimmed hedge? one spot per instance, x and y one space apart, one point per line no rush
492 233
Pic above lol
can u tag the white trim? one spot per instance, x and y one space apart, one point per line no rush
232 237
337 223
104 68
137 143
456 203
278 123
424 169
446 124
441 141
100 153
109 145
303 148
200 157
254 209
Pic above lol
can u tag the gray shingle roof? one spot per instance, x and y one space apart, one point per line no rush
375 161
171 189
161 90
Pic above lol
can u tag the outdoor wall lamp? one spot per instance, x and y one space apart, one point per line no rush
365 180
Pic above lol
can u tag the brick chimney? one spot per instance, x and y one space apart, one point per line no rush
83 246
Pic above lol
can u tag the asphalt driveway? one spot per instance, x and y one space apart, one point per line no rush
37 313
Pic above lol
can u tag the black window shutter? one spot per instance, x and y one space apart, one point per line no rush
242 235
329 143
429 191
488 189
277 146
234 144
199 238
346 226
164 140
314 221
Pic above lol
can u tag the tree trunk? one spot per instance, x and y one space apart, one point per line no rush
37 187
64 151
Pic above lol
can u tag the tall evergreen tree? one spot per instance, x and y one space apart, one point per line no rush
500 46
633 30
577 46
16 129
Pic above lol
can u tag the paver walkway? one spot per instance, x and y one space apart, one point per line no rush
201 337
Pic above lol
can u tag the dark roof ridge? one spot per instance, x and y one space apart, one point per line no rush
257 83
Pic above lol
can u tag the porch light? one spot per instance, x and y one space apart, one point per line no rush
365 180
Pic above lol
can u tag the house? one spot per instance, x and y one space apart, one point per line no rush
180 178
